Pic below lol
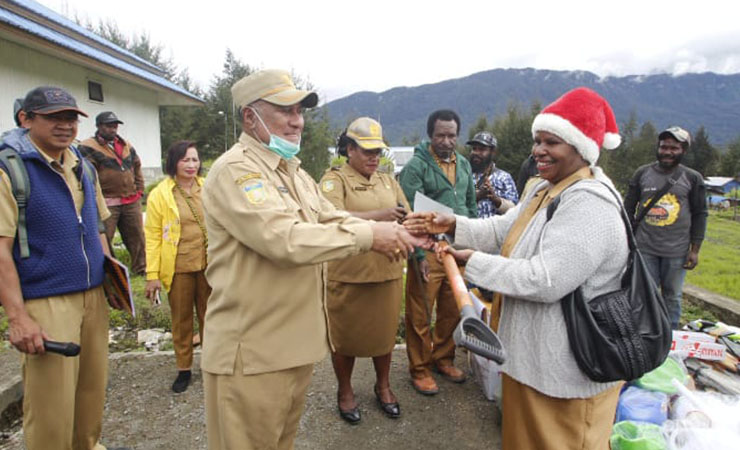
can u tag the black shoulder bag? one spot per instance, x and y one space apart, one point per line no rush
623 334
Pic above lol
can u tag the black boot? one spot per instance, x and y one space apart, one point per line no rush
182 381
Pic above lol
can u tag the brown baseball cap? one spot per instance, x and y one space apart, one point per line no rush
49 100
676 133
367 133
273 86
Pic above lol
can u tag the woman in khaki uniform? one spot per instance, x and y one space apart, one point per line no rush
176 243
364 291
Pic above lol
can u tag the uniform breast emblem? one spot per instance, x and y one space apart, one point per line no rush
255 192
327 186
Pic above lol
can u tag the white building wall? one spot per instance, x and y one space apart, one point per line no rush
22 69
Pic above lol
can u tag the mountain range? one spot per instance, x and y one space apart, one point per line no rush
689 100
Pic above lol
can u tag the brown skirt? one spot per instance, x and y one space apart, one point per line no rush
363 317
535 421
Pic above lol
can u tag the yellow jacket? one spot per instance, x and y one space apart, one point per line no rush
162 230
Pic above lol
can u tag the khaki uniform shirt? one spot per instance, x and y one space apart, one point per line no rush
191 250
66 168
349 190
269 231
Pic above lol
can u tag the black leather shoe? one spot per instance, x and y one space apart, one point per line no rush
182 381
392 410
351 416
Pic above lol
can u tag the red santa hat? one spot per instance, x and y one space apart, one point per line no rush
583 119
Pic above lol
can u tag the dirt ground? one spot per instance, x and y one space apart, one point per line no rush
143 413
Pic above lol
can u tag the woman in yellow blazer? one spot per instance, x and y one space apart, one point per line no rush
364 291
176 243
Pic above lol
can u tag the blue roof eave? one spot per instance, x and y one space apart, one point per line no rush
89 51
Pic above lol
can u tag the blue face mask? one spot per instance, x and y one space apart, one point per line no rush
282 147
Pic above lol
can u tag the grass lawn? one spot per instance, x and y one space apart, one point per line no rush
719 258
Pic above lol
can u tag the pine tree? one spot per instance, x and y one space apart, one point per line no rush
513 132
730 161
702 156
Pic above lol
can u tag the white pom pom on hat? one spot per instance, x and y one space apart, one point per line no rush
583 119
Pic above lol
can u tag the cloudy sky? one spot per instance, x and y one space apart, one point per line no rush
349 46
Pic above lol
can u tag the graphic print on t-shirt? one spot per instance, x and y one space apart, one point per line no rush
664 212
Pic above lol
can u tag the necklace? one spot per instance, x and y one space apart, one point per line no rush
183 186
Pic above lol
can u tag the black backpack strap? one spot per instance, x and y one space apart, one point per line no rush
669 183
92 174
21 187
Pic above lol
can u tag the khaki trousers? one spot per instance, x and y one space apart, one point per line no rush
188 290
64 397
255 412
535 421
423 346
130 223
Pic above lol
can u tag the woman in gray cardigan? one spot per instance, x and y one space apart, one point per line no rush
548 402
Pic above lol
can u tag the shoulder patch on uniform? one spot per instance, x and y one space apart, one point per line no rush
327 185
255 191
247 177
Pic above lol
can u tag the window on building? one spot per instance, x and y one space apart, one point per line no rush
95 91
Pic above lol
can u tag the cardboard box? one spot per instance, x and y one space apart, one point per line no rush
695 349
693 336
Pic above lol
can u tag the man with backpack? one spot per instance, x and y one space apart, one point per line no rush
51 272
671 218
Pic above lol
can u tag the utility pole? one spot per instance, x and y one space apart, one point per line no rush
226 128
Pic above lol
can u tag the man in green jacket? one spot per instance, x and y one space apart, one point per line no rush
439 172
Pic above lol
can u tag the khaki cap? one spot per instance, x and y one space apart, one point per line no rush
273 86
677 133
367 133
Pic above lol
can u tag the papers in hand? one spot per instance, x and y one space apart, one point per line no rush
117 286
422 203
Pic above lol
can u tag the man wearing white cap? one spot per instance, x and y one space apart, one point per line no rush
672 217
270 231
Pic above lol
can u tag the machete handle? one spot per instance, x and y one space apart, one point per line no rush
62 348
459 290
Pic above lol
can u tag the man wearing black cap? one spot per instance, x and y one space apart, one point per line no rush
119 168
51 272
495 190
671 218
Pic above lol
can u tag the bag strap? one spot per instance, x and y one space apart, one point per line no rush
670 182
623 213
92 174
21 191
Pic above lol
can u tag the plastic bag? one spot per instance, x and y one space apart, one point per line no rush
487 373
703 421
660 379
640 405
628 435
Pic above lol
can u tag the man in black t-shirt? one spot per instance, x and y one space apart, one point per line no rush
670 234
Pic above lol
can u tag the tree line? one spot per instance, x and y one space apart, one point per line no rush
216 125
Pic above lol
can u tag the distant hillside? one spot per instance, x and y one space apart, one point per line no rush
688 100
